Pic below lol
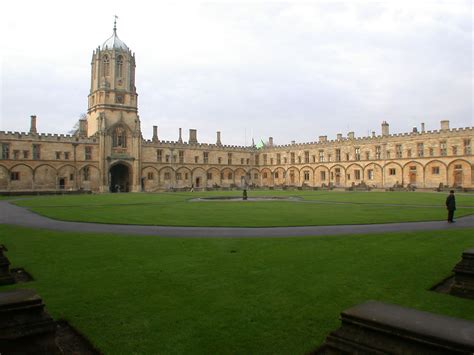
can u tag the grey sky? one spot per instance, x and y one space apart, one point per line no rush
293 71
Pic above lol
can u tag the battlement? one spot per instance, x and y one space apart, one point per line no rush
371 139
187 145
46 137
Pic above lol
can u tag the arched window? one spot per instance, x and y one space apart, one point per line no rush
106 63
119 138
119 66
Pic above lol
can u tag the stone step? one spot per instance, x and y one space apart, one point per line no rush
25 327
379 328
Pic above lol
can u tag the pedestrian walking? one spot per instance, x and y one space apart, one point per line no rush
451 206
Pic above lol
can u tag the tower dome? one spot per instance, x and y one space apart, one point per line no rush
113 42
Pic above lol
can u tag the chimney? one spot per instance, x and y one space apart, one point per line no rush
180 139
422 128
373 134
270 141
323 138
350 135
33 124
218 141
339 136
83 127
444 125
192 136
155 134
385 128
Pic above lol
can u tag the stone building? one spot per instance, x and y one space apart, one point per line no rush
108 152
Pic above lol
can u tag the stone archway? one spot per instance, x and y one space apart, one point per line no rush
120 178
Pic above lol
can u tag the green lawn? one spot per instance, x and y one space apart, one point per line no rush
148 295
316 208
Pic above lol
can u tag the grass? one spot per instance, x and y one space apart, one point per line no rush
144 295
316 208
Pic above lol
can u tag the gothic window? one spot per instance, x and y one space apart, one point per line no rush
357 174
420 149
119 138
106 63
398 150
88 153
119 66
370 174
5 151
86 173
467 146
377 152
321 156
357 153
36 151
443 149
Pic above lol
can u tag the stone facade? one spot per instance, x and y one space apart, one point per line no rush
108 152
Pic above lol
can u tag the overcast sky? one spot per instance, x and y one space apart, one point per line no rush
291 70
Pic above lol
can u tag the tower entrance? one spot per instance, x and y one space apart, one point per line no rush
120 178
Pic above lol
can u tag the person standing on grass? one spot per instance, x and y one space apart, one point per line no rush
451 206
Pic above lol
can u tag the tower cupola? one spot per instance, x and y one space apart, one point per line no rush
113 42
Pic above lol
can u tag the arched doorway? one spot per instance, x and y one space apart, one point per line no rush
119 178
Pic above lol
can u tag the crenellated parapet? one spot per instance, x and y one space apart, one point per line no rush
46 137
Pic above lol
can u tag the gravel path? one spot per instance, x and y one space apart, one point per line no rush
15 215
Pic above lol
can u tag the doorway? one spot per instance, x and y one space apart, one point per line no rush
457 178
198 182
119 178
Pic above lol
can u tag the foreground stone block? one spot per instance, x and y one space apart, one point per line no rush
378 328
6 277
25 327
464 276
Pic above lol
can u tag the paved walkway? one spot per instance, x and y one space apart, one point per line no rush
11 214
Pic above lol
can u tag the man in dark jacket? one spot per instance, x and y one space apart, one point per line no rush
451 206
